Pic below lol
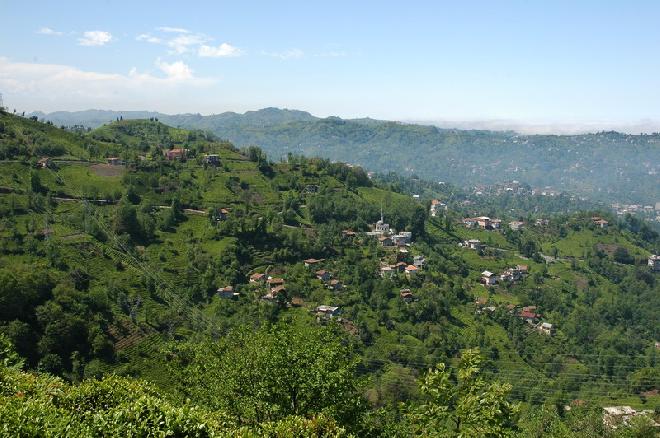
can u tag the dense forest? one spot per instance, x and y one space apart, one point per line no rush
604 166
156 280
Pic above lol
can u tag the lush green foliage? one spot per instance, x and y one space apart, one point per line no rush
110 269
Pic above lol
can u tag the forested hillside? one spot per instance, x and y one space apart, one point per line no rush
160 280
606 166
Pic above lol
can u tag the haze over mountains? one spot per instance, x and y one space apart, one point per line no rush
607 166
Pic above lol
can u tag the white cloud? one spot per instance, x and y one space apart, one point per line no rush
172 29
49 31
223 50
55 86
148 38
184 42
177 70
95 38
287 54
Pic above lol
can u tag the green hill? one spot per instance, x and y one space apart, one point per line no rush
605 166
115 268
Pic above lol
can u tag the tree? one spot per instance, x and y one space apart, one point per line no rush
467 407
126 219
271 373
35 182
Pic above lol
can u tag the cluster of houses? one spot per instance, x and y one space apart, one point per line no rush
635 209
388 236
327 279
510 275
528 314
401 267
545 191
654 262
276 286
436 207
483 222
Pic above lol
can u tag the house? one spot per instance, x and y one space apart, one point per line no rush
469 222
406 296
419 261
275 293
512 274
402 239
176 154
220 214
335 285
401 266
114 161
387 271
323 275
516 225
472 244
600 222
257 278
506 276
45 163
436 206
488 278
348 234
523 269
327 312
272 282
228 293
529 316
542 222
546 328
411 271
654 262
483 222
495 224
312 262
211 159
385 241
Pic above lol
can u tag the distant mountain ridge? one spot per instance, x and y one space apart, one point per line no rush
608 166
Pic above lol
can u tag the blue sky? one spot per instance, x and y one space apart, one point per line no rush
528 61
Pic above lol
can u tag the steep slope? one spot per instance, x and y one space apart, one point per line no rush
102 265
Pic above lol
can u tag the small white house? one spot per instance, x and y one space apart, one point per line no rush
488 278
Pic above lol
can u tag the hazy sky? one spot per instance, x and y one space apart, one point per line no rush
531 61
